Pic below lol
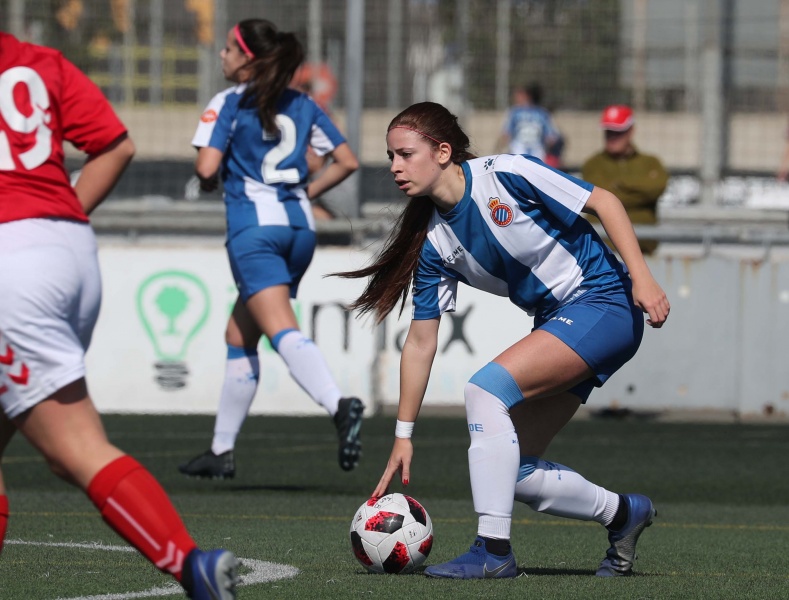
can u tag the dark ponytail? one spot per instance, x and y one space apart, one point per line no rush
276 57
393 271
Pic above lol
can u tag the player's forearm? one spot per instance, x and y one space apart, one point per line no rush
101 172
344 162
333 175
416 363
613 217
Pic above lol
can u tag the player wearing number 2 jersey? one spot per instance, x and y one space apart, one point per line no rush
50 292
256 135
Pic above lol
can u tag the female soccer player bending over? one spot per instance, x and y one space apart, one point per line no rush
511 226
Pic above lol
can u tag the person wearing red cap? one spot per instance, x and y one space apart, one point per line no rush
637 179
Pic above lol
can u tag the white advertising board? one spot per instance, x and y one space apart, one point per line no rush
159 344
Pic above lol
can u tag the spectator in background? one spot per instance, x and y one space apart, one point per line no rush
529 128
636 179
51 294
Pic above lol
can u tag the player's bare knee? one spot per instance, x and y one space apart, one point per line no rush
60 469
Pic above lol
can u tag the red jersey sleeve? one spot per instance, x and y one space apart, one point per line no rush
89 122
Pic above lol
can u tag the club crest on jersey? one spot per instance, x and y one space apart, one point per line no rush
500 212
209 116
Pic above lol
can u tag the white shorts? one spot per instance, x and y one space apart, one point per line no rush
50 294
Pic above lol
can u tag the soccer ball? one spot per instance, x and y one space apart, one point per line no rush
391 534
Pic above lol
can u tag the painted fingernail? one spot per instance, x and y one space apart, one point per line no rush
405 482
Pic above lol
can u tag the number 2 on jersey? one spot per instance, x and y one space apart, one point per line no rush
280 152
19 123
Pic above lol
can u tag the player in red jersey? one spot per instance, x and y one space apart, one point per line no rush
50 292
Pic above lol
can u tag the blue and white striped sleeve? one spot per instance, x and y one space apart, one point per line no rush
433 292
324 136
209 119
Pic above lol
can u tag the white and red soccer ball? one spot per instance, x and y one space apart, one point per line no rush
391 534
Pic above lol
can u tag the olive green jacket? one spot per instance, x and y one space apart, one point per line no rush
636 179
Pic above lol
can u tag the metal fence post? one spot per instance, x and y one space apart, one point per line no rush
713 118
354 92
394 53
16 18
503 42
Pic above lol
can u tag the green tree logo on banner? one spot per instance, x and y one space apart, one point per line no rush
172 306
172 301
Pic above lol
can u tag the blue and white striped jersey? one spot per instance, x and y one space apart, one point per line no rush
517 232
265 176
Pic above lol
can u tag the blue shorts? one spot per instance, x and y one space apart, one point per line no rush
603 327
269 255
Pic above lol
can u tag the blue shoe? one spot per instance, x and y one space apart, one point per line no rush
213 575
477 563
619 559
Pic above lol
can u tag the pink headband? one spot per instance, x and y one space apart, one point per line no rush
417 131
241 44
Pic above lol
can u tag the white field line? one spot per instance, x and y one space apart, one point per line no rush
261 571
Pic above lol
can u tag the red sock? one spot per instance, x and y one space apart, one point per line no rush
3 519
133 503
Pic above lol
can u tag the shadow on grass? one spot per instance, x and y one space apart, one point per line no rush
581 572
547 571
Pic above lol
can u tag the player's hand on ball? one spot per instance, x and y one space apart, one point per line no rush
399 460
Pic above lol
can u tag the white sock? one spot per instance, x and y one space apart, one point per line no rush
308 368
554 489
494 454
242 372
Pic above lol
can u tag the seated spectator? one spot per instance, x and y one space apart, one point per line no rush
636 179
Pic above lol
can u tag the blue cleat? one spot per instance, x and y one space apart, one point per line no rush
619 558
477 563
213 575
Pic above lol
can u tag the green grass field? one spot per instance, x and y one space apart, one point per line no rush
722 494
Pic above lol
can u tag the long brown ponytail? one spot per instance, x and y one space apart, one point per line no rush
276 56
393 271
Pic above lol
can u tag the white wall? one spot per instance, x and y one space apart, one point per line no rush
723 348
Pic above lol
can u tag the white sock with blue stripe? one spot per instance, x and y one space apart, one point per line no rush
242 372
493 456
554 489
308 367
